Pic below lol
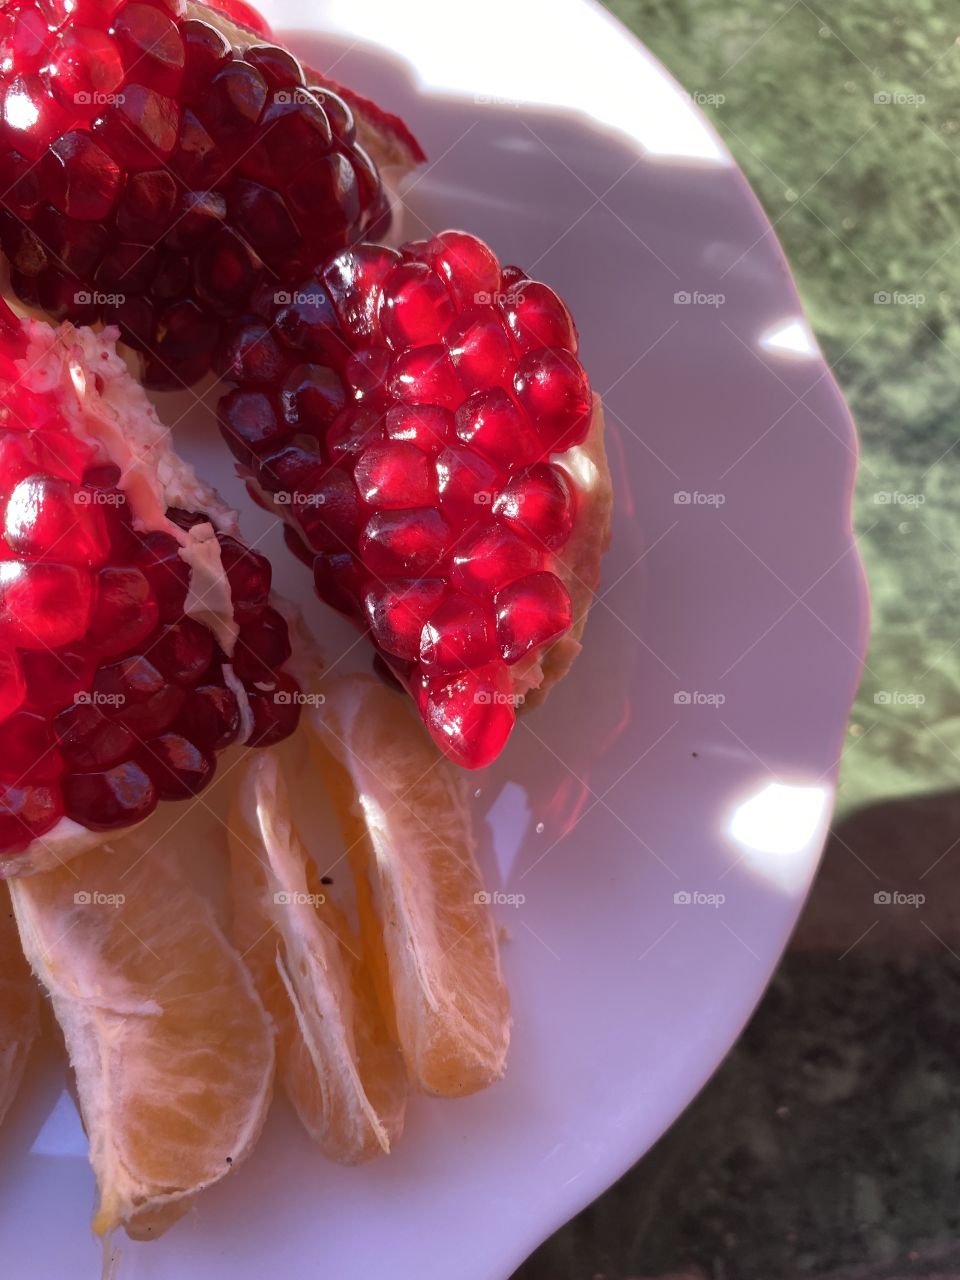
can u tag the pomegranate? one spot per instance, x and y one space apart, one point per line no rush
136 635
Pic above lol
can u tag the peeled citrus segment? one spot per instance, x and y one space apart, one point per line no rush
19 1007
404 812
341 1070
172 1049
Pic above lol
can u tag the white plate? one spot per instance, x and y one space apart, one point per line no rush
557 137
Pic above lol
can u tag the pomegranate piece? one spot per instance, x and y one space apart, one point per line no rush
112 697
435 501
185 134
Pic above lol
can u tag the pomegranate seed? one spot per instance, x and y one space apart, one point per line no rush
553 389
125 612
248 573
86 70
536 317
48 517
263 646
44 606
55 678
408 543
331 521
25 40
537 502
275 711
141 129
459 634
337 578
210 717
13 689
355 281
26 812
394 476
178 768
426 425
311 397
493 558
415 306
168 575
232 102
253 355
30 118
492 422
471 715
205 51
28 749
111 798
466 482
425 375
147 205
279 68
397 610
469 267
249 423
89 738
531 612
151 46
139 696
480 349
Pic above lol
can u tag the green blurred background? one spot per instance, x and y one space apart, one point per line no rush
828 1144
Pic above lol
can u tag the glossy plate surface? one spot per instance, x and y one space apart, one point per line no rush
658 822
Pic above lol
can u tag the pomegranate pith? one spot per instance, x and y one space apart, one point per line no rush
156 172
112 696
425 477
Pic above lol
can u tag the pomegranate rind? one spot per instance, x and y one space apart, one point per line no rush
340 1069
19 1007
172 1049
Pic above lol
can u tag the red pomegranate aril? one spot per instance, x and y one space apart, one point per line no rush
553 388
54 678
205 51
290 471
28 749
425 375
469 267
196 159
275 711
27 812
538 503
223 272
415 306
44 606
337 576
279 68
397 610
167 574
140 130
536 317
493 558
311 398
252 355
109 798
248 572
178 768
467 484
25 39
332 517
459 634
331 183
410 543
151 46
366 373
263 646
480 349
472 715
13 689
296 134
394 476
89 738
354 280
210 717
86 71
426 425
124 614
263 220
182 651
232 102
531 612
492 422
147 205
249 423
47 517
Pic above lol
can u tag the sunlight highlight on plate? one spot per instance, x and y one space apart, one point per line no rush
778 831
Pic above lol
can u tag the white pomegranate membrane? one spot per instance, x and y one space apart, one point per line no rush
136 638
